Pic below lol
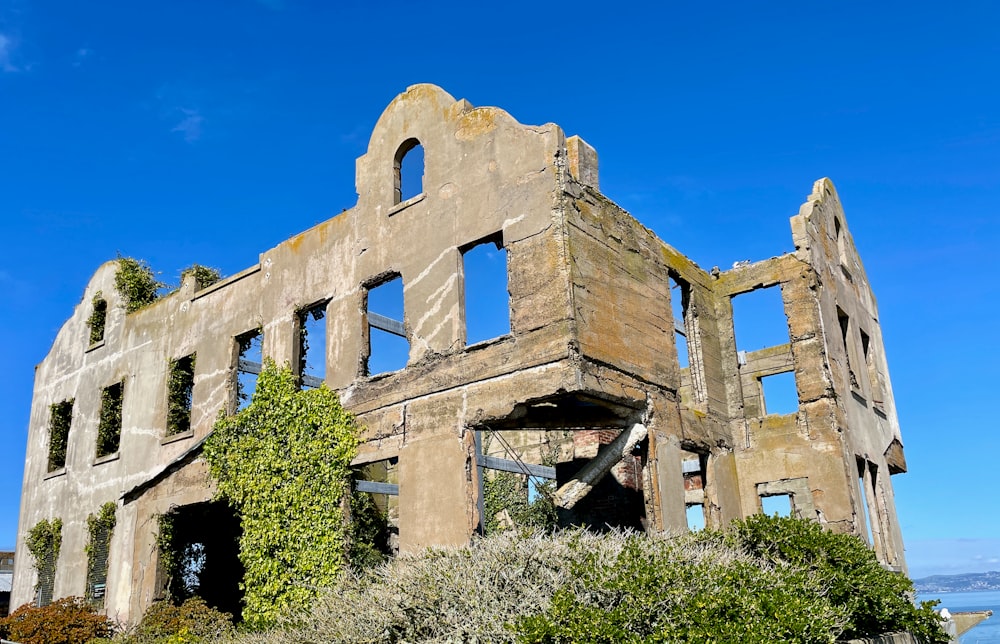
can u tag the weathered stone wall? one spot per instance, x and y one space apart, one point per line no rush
591 349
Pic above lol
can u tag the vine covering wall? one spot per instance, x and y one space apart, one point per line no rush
99 528
284 463
44 541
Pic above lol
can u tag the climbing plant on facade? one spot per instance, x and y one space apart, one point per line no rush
99 528
204 276
284 463
136 283
44 541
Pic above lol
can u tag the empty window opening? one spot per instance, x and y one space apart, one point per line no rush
98 318
409 170
249 363
878 395
375 512
60 419
693 471
312 345
109 427
517 477
759 319
777 505
865 502
199 555
180 390
845 334
779 394
695 517
487 301
838 232
679 295
388 346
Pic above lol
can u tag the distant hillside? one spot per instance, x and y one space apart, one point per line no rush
967 582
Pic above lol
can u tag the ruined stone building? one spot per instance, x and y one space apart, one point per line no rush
610 351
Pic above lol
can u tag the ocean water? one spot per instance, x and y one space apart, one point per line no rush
985 632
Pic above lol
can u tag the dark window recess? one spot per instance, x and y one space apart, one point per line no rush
97 563
777 504
679 295
375 507
248 366
486 298
60 419
109 428
388 346
780 396
203 547
865 501
312 345
878 392
759 319
409 170
180 390
845 334
98 318
46 579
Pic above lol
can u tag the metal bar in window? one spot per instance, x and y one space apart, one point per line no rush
388 325
377 487
247 366
504 465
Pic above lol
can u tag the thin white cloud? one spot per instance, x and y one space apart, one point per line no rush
190 125
6 49
81 55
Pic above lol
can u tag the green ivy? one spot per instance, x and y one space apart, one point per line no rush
136 283
109 426
44 541
204 276
180 388
284 464
60 419
99 526
169 557
507 491
98 318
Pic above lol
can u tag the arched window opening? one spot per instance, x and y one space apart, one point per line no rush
409 170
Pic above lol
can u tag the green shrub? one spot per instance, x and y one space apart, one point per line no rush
710 586
877 600
192 621
70 620
283 463
136 283
204 276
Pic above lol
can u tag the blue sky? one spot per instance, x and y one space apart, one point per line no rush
181 131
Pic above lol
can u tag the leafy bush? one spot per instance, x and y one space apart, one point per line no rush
136 283
459 595
284 464
192 621
766 579
204 276
876 600
70 620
